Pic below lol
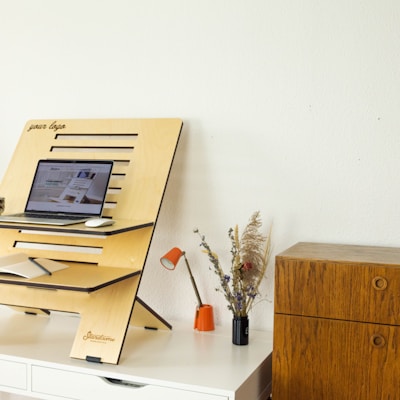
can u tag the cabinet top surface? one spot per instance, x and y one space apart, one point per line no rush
342 253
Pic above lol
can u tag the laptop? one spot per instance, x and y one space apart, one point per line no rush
65 192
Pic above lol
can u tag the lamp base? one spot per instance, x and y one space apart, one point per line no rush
204 318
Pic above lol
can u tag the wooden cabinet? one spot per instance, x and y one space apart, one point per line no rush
337 323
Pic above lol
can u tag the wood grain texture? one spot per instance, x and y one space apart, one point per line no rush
105 264
316 358
336 320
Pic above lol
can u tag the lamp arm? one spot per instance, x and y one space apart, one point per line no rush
193 281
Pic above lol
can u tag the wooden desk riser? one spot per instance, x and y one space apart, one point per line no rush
105 264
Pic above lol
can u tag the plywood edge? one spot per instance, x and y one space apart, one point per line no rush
144 316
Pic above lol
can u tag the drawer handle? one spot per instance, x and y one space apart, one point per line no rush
378 341
121 382
379 283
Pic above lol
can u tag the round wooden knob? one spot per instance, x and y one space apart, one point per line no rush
379 283
378 340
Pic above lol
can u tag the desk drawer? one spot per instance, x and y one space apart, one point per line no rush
72 385
349 291
13 374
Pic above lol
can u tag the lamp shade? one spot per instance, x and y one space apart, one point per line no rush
171 259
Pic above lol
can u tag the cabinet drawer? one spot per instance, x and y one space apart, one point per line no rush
349 291
13 374
72 385
318 359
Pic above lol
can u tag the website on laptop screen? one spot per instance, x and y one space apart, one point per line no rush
71 187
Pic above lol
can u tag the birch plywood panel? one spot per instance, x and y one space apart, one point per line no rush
143 152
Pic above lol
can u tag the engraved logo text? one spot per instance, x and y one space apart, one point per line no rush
54 126
98 337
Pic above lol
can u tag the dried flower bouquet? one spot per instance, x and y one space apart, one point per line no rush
250 255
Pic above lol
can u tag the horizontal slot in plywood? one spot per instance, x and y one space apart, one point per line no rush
58 247
91 149
96 136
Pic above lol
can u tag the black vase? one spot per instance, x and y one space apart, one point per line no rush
240 330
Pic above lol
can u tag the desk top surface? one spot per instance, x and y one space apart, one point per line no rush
182 356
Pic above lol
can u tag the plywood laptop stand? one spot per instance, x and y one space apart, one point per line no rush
105 264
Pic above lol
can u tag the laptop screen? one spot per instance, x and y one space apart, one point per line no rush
69 187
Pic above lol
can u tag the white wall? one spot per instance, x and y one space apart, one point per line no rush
290 108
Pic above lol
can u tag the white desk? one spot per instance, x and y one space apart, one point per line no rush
181 364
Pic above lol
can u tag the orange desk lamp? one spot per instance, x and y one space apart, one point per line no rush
204 318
